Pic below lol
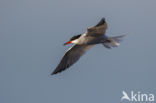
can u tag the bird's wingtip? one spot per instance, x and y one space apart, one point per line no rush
53 73
103 18
101 22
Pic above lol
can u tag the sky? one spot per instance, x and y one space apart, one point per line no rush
31 36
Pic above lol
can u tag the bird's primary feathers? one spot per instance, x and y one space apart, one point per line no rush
71 56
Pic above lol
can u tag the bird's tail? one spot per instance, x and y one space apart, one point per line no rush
113 41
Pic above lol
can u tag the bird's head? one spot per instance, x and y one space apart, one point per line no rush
73 39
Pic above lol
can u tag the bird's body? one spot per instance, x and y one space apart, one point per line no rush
82 42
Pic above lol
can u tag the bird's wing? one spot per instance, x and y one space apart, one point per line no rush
71 56
98 29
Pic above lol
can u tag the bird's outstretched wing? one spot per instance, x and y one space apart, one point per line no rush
98 29
71 56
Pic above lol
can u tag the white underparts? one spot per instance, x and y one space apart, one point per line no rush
75 41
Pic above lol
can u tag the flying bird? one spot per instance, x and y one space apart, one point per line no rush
83 42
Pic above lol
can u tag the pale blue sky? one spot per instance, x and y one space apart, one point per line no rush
31 36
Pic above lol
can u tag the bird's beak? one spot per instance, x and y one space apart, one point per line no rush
69 42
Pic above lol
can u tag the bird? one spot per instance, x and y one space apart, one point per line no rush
83 42
125 96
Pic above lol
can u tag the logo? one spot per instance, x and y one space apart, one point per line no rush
137 96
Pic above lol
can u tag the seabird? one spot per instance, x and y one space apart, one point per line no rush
82 42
